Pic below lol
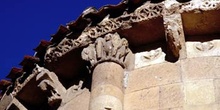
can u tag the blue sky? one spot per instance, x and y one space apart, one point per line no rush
24 23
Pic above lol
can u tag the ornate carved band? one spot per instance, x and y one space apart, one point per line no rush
145 12
110 48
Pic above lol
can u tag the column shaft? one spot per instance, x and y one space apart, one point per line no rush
107 87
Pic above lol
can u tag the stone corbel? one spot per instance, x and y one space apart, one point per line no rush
50 84
108 48
174 29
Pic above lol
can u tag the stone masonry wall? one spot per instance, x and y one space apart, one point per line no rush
189 84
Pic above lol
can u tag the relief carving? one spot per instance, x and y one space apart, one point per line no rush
145 12
153 54
205 46
50 85
149 57
109 48
196 6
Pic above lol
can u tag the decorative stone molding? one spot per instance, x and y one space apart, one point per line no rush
18 86
145 12
200 5
149 57
50 84
109 48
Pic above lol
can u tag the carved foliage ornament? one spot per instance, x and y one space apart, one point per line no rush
145 12
109 48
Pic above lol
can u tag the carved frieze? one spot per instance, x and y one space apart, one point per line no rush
109 48
200 5
145 12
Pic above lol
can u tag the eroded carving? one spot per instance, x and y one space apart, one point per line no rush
21 82
149 57
145 12
200 5
153 54
174 31
49 83
109 48
173 27
204 46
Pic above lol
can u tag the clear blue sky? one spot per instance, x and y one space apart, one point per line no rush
24 23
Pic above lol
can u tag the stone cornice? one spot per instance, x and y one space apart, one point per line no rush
145 12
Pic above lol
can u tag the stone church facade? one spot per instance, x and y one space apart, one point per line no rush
136 55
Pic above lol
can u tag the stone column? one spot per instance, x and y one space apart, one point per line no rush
107 57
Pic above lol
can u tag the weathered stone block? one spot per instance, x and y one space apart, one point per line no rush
147 99
202 107
217 90
171 96
149 58
201 49
200 68
199 92
81 102
181 108
155 75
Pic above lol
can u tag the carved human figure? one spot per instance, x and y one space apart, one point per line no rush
123 50
89 54
116 42
108 46
100 42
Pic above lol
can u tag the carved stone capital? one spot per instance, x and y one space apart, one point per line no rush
108 48
145 12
